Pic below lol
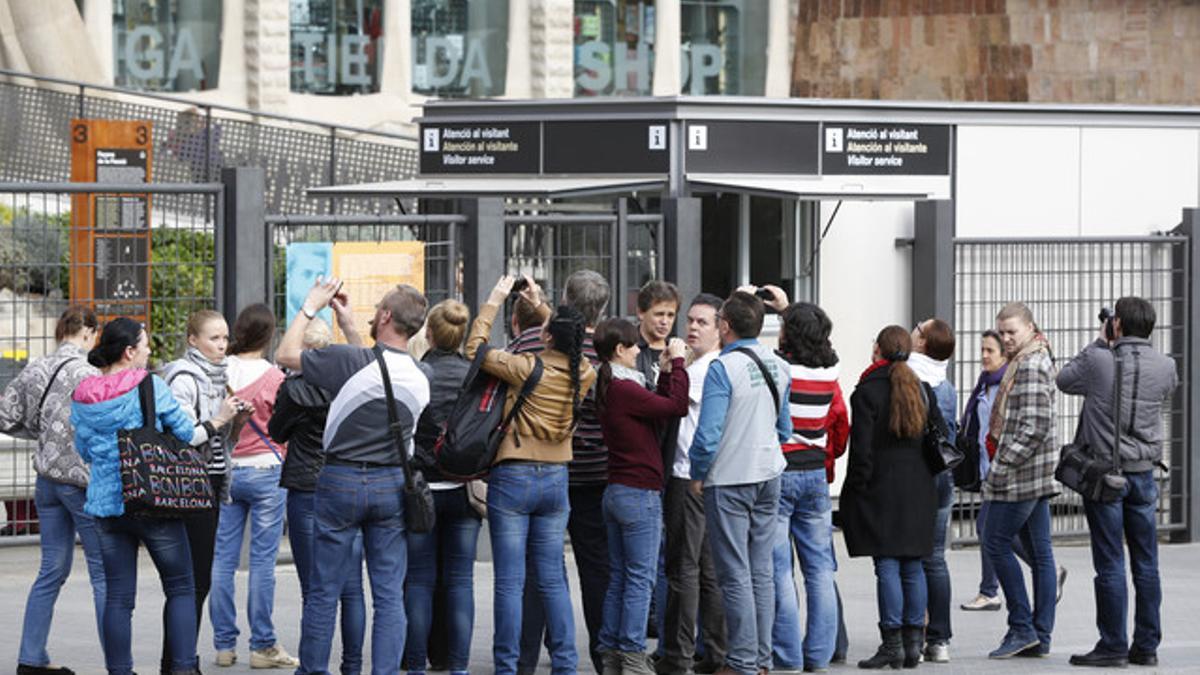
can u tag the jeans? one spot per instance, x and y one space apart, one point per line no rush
255 496
805 520
166 540
634 520
989 585
589 543
937 576
1131 516
301 510
527 511
900 591
202 538
353 502
1031 521
691 582
741 522
450 548
60 506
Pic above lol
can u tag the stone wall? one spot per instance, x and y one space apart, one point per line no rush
1067 51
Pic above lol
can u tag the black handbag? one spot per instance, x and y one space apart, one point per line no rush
966 474
161 476
939 451
1081 470
420 514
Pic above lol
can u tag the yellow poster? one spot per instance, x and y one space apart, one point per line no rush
369 270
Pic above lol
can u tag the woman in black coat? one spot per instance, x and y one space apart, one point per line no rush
889 501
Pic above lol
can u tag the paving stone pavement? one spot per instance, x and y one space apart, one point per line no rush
73 640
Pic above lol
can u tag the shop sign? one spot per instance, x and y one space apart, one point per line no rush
885 149
144 54
513 147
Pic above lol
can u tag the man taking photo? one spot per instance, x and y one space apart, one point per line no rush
1147 380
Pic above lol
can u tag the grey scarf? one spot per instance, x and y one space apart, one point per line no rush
215 372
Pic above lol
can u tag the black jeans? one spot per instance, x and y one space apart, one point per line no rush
589 543
202 538
691 582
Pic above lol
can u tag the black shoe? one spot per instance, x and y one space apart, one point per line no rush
1097 659
706 667
839 659
23 669
890 653
1140 658
913 638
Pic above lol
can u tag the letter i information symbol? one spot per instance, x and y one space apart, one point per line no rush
833 140
431 140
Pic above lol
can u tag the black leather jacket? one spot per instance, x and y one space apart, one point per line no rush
449 370
299 421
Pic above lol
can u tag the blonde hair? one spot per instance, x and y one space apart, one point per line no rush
317 334
447 324
198 320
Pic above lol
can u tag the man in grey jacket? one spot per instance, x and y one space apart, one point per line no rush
1147 379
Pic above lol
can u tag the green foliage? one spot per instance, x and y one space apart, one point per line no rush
35 251
181 282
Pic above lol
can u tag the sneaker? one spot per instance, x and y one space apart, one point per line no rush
225 658
272 657
983 603
1013 645
937 652
1042 650
1062 579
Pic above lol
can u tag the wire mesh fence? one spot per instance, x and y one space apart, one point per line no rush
150 255
193 142
1065 282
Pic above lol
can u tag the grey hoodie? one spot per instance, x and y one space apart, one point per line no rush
1148 378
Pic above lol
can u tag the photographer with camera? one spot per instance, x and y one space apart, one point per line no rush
1146 380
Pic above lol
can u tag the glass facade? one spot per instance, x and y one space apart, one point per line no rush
723 45
614 47
166 45
459 47
336 46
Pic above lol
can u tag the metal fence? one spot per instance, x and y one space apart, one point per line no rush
183 223
1065 282
193 141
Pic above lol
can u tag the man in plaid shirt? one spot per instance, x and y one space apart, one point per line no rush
1021 482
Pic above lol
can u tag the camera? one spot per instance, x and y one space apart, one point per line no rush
518 286
1106 318
765 294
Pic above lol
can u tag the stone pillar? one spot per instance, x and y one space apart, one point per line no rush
268 66
668 79
552 48
518 77
97 17
53 40
396 74
779 53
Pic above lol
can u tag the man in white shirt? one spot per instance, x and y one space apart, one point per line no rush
691 579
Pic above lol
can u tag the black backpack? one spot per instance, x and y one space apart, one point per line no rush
477 424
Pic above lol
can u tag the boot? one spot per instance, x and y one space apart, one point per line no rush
890 653
611 663
635 663
913 638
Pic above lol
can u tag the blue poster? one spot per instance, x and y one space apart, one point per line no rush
305 262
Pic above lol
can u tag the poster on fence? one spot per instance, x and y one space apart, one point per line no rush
305 262
370 269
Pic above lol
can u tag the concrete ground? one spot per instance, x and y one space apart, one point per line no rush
73 640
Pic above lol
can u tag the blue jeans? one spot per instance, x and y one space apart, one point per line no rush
937 576
166 540
989 585
742 526
353 502
1031 521
60 510
301 507
450 549
1134 517
805 520
900 591
255 496
634 520
527 511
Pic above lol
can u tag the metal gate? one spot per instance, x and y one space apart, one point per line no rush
185 231
1065 282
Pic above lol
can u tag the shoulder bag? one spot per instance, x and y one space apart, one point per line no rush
419 510
1081 470
939 451
766 374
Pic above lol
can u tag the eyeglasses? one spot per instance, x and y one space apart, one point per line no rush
920 333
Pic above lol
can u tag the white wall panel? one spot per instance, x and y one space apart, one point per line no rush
1017 181
1136 181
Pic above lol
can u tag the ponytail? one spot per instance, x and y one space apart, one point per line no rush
567 331
906 416
609 334
118 335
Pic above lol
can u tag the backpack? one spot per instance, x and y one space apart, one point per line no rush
477 424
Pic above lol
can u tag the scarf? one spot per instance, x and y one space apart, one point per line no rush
929 371
620 372
215 372
996 424
876 365
986 381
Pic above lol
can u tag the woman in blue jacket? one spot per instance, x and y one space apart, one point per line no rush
102 406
